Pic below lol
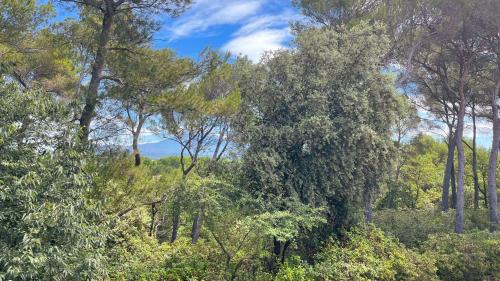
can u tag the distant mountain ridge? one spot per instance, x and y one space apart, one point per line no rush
158 150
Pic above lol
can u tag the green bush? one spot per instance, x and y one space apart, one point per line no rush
294 269
370 255
132 254
413 227
49 229
137 256
470 256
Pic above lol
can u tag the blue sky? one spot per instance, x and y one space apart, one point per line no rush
247 27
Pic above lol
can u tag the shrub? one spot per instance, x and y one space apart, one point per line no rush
294 269
137 256
470 256
370 255
49 229
413 227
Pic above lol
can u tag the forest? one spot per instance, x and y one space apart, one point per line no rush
367 149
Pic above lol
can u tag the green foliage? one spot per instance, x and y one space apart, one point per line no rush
154 73
319 121
286 225
370 255
132 254
128 186
413 227
419 174
397 195
336 12
471 256
294 269
317 131
20 17
49 229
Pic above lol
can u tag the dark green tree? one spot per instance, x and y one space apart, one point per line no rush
319 131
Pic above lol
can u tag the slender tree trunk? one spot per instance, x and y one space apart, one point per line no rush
91 97
283 251
135 149
136 133
276 254
196 230
418 195
445 201
153 217
198 220
453 185
474 159
176 221
459 214
368 206
492 166
484 190
279 250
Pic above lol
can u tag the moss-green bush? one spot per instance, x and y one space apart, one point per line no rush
368 254
294 269
467 257
413 227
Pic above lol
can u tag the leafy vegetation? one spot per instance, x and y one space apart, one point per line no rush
318 162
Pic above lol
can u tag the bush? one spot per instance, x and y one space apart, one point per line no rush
49 229
134 255
471 256
413 227
370 255
294 269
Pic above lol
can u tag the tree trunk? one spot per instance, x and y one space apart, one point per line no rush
136 133
459 203
484 190
492 166
135 149
274 266
197 222
153 216
474 159
445 201
91 97
283 251
196 230
453 185
368 206
279 250
176 221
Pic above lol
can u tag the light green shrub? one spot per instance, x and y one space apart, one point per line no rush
413 227
370 255
294 269
470 256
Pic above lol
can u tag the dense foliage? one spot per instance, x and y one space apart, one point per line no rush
352 155
49 229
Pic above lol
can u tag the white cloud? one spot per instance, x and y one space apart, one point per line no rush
260 34
255 44
259 30
208 13
261 22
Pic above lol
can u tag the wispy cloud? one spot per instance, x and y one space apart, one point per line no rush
209 13
262 25
256 43
261 33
